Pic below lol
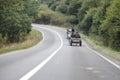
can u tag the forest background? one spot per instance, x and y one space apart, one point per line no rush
99 19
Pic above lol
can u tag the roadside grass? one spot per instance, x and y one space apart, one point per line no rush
32 39
98 46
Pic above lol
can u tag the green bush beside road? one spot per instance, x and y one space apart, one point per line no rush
32 39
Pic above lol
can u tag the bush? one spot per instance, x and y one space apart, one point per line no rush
13 20
62 8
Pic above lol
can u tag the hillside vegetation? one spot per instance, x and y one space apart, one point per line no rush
15 20
99 19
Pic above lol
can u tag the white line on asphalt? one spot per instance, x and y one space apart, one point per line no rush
37 68
103 57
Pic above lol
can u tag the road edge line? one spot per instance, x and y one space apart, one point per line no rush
105 58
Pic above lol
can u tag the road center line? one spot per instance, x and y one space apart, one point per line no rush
37 68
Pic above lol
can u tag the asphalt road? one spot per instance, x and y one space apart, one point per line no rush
54 59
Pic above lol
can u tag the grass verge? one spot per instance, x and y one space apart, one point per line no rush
96 45
32 39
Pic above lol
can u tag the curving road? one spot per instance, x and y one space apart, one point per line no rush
54 59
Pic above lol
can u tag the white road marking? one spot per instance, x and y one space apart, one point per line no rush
37 68
103 57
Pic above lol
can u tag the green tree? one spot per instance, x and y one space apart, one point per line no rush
62 8
97 20
111 27
74 7
52 5
13 20
86 23
31 8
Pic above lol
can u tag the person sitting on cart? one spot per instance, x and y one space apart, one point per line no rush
77 35
73 35
72 29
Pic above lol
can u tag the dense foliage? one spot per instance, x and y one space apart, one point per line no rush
97 18
15 19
